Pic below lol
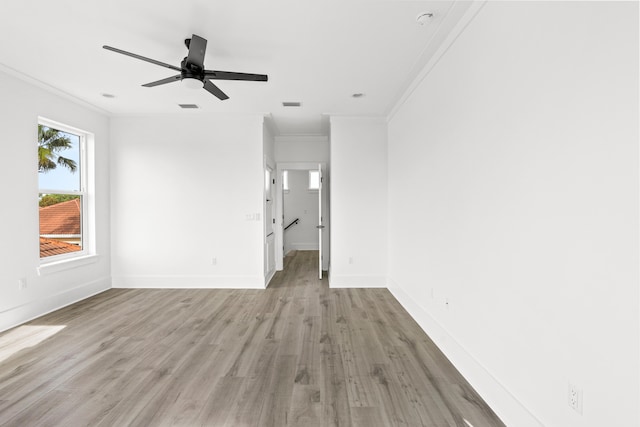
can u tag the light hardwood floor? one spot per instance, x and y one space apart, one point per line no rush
296 354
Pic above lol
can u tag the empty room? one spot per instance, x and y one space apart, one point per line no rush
320 213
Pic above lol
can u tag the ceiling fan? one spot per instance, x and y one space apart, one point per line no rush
192 69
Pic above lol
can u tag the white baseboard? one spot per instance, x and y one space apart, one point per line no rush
504 404
268 278
357 281
188 282
302 247
33 309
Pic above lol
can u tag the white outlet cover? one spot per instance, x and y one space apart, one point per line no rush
574 396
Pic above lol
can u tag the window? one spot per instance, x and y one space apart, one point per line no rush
314 180
285 181
267 181
62 188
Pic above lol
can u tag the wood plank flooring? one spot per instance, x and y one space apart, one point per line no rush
296 354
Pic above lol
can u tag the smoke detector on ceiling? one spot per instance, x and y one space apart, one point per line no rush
424 18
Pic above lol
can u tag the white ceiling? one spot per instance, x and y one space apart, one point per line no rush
316 52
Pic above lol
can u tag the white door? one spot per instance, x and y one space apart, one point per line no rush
320 222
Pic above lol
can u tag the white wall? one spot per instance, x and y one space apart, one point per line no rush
302 149
186 189
513 195
358 202
300 203
21 104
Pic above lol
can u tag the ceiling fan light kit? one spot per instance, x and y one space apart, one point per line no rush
192 71
191 83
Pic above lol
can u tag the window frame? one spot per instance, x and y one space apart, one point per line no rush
86 167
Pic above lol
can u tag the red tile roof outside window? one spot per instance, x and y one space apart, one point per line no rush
60 228
61 218
49 247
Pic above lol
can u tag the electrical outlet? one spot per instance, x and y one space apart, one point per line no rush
446 303
214 261
22 284
575 398
350 260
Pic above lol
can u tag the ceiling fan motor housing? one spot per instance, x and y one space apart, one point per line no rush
191 71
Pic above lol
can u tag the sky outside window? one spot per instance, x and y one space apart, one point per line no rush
61 178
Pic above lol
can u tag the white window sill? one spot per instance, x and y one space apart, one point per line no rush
66 264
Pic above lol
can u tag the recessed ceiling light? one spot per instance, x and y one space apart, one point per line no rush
188 106
358 95
292 104
424 17
108 95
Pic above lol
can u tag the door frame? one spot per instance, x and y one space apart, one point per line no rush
269 239
280 167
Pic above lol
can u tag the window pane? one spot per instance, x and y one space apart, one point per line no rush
60 224
285 180
314 180
267 181
58 159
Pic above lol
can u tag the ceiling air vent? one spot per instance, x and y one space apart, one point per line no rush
187 106
292 104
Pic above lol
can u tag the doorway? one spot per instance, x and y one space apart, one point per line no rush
302 211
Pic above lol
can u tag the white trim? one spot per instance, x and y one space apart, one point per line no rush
450 39
343 281
20 75
18 315
268 215
187 282
68 263
268 278
510 410
303 247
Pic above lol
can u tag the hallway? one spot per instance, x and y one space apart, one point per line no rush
297 353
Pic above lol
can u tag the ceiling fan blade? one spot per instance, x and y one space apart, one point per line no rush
215 90
164 81
229 75
197 48
142 58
